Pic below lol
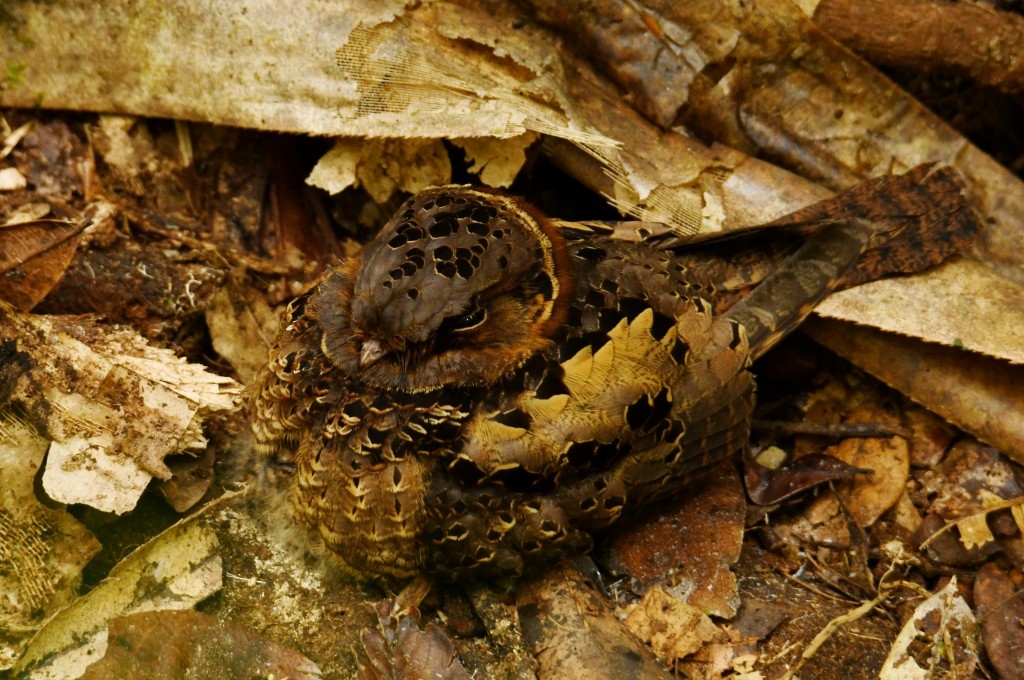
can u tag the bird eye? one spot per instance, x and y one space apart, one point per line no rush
468 321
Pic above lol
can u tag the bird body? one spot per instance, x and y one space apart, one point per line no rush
478 392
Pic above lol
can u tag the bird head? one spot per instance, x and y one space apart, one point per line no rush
459 288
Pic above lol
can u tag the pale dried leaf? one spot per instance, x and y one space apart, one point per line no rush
12 180
29 212
673 628
496 161
242 327
113 405
974 531
382 166
174 570
337 169
972 296
279 72
12 139
43 550
956 624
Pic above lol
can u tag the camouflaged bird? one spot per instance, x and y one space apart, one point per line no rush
480 389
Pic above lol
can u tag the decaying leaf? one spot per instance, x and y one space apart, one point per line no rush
673 628
688 547
113 405
862 499
33 257
382 166
402 651
1000 611
967 289
186 644
42 549
946 626
495 161
971 391
242 326
575 634
174 570
191 478
11 180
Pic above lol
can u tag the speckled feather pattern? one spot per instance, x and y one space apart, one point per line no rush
525 390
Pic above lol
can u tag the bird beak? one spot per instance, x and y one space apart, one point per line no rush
371 352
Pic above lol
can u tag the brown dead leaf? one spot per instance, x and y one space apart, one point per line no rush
1000 612
180 644
400 650
977 393
575 634
924 35
191 478
888 459
932 436
33 257
689 547
864 498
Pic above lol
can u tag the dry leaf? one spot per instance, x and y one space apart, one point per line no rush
242 327
191 478
174 570
382 166
689 547
496 161
865 497
28 212
1000 612
575 634
11 140
968 290
401 651
33 257
114 406
979 394
42 549
672 628
12 180
186 644
946 627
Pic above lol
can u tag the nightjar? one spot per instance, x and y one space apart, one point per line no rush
481 388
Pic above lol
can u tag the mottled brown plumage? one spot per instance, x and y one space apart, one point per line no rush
479 391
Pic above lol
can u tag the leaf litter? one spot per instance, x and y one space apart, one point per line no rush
838 551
